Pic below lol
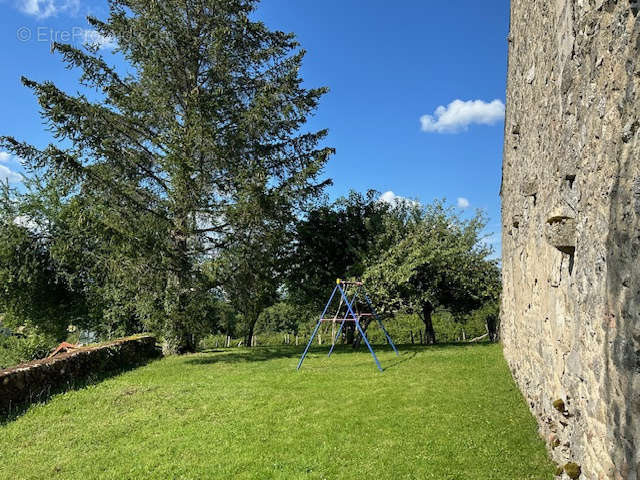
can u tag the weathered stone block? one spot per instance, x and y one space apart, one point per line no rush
561 233
529 187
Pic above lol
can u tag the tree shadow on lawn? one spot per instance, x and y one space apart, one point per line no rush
241 355
266 353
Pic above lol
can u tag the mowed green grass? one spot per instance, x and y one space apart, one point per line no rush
444 412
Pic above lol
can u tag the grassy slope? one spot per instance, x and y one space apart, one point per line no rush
448 412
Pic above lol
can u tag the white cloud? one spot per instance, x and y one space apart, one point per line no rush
6 157
393 199
93 37
458 115
48 8
7 174
388 197
38 8
463 202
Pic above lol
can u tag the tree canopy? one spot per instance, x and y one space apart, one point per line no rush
441 262
335 240
162 164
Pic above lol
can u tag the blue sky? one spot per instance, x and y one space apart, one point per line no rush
389 65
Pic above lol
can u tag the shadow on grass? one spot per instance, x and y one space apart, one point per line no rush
400 359
43 397
266 353
241 355
445 345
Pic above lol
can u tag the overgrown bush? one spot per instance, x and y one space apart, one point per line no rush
20 349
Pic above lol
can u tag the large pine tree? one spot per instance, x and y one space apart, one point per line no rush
198 140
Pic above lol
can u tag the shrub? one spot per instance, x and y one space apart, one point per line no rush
20 349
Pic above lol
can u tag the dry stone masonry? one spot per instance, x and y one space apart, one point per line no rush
571 236
35 381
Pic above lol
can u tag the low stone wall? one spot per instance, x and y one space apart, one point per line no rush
36 380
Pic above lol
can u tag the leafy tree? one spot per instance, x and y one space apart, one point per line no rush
441 262
166 156
281 317
33 294
335 241
249 271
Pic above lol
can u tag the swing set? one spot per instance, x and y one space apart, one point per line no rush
350 294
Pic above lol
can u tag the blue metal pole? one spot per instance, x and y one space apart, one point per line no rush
341 325
304 354
375 314
364 337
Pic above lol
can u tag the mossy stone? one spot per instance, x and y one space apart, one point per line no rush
573 470
559 470
559 405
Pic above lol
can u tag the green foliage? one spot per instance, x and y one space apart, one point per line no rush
440 262
31 345
335 241
249 271
284 317
405 329
195 150
485 319
256 417
32 291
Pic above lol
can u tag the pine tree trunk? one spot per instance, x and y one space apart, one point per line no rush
429 332
178 338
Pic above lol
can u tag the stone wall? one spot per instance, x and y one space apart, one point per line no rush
34 381
571 237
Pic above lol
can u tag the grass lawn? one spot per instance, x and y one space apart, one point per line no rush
444 412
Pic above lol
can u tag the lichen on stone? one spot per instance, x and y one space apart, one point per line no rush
559 405
573 470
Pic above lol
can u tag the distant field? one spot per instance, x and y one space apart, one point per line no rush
444 412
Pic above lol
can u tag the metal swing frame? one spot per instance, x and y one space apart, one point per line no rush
351 315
